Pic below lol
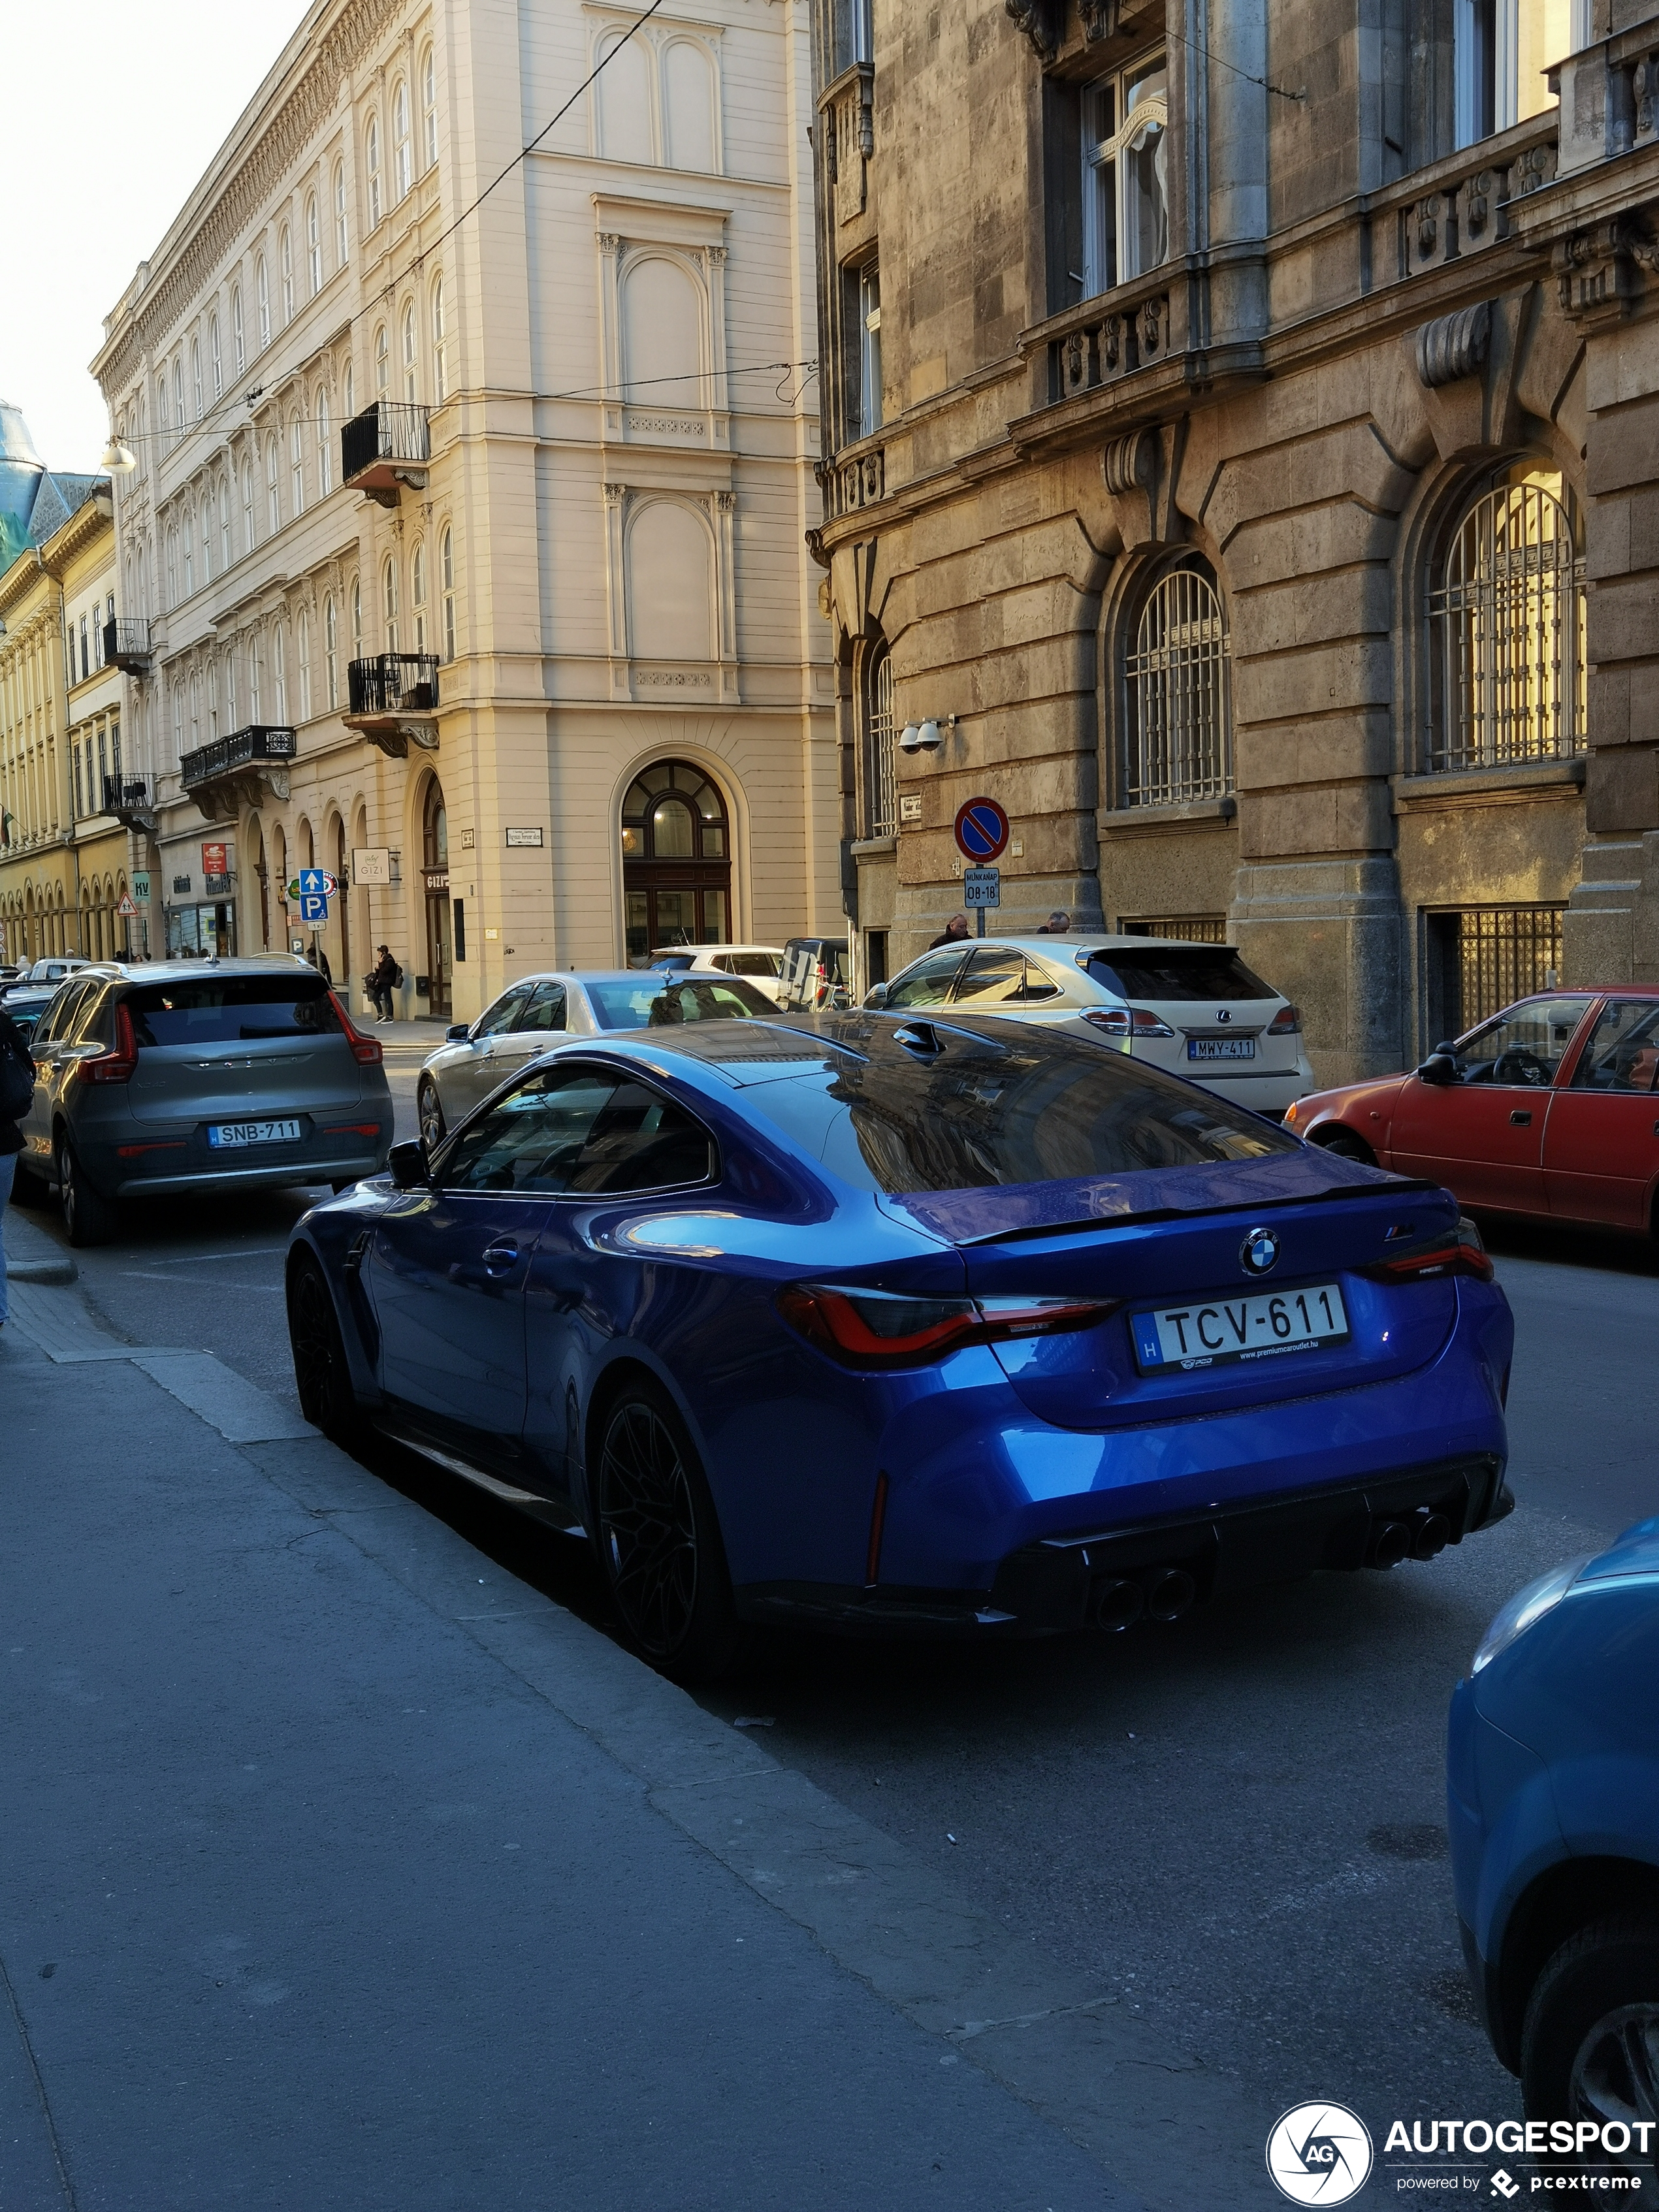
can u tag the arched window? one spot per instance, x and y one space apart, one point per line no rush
198 408
342 236
880 795
224 522
410 354
676 861
189 552
313 247
238 346
215 367
296 464
389 603
372 163
429 106
1178 739
356 619
402 161
324 445
273 494
440 345
207 538
285 263
213 698
195 711
382 363
163 416
347 391
446 566
178 399
435 854
261 301
418 592
1506 625
331 651
302 641
247 505
279 671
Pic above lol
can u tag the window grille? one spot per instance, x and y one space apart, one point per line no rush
1184 928
1484 958
880 783
1506 632
1178 695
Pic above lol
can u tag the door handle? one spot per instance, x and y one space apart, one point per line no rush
499 1259
1521 1119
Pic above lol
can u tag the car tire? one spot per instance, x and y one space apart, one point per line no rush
659 1539
322 1373
89 1218
1590 2044
1347 1145
430 1108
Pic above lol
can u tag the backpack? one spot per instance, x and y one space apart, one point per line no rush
16 1082
397 977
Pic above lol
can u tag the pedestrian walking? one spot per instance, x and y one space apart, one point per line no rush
955 932
384 978
17 1090
319 960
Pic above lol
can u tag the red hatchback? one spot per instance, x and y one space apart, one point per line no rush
1550 1109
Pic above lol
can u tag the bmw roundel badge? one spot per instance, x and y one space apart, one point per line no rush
1259 1252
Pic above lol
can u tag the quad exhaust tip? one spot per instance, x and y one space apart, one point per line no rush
1156 1594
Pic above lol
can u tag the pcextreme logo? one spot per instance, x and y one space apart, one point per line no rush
1319 2154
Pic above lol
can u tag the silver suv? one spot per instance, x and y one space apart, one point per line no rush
185 1074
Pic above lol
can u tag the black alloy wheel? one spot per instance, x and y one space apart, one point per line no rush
321 1373
659 1541
431 1113
88 1216
1589 2046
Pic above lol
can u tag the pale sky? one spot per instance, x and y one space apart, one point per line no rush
113 109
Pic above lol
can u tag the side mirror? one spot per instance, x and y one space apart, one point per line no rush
457 1033
1439 1068
876 995
407 1164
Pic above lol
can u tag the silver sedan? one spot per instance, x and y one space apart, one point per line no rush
538 1010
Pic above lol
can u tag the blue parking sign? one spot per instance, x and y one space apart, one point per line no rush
313 907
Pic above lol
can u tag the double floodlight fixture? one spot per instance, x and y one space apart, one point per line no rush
924 736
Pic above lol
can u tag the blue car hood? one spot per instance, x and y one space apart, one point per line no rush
968 1217
1636 1553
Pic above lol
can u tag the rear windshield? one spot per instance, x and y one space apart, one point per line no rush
231 1009
1179 971
1049 1112
657 1001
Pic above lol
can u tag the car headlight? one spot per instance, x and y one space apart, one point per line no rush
1525 1606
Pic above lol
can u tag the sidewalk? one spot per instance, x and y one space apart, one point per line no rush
343 1870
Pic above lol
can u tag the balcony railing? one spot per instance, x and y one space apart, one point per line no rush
393 683
1106 338
261 743
389 444
126 643
130 800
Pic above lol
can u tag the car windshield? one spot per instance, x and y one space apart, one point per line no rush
1178 971
1524 1046
230 1009
986 1113
655 1002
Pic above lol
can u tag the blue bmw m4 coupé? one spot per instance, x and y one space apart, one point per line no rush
886 1324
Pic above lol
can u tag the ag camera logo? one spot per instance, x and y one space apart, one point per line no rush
1319 2154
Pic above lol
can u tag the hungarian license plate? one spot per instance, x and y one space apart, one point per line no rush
1221 1048
1226 1332
224 1134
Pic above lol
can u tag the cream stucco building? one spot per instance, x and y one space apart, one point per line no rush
467 527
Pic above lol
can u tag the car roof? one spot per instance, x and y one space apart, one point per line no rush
1075 940
168 971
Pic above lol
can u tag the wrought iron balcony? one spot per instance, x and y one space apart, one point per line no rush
131 800
243 768
385 447
393 698
126 643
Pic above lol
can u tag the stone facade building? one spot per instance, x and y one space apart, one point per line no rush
467 527
1244 422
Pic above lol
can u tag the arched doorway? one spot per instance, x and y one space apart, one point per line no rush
435 855
676 861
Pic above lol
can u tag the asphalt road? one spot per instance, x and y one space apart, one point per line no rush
1237 1821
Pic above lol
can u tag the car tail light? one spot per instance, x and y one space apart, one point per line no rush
1457 1251
1287 1022
1129 1022
887 1329
364 1049
117 1063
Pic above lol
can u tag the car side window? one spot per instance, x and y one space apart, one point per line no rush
1000 975
505 1011
544 1010
532 1139
85 1022
54 1024
642 1141
1623 1051
928 983
1522 1047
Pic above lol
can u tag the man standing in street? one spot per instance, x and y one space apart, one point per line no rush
383 981
955 932
1058 924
